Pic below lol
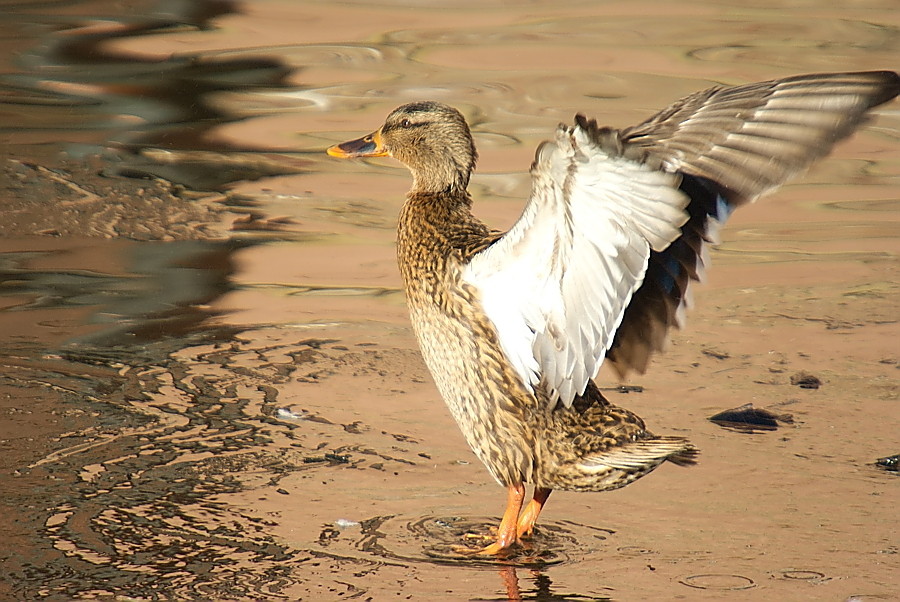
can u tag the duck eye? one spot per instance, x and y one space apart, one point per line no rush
406 123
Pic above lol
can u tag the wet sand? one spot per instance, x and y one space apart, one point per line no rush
278 436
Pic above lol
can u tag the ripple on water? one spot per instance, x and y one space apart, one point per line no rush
438 540
784 44
889 205
801 575
718 581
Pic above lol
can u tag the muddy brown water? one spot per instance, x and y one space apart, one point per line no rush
209 386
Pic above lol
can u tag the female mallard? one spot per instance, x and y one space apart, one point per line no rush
513 326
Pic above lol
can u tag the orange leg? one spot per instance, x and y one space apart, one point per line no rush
506 534
526 522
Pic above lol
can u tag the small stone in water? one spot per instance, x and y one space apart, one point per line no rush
286 414
805 380
749 419
889 463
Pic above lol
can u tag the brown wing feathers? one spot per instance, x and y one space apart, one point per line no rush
732 145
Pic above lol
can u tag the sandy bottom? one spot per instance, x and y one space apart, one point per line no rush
798 513
310 456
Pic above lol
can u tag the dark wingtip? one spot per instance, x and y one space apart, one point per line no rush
891 87
887 82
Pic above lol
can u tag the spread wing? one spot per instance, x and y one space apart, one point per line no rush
601 261
557 284
731 145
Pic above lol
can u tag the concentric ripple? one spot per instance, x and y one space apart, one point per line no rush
445 540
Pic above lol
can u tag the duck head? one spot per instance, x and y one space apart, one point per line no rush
430 138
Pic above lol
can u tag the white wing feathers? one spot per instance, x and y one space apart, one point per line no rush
557 284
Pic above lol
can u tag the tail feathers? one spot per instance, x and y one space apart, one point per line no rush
686 457
641 455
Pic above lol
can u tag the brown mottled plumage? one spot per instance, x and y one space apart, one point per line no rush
679 172
507 427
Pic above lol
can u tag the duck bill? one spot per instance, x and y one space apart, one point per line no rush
367 146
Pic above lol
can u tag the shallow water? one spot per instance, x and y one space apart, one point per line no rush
209 384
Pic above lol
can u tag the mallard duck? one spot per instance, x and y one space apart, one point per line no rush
514 326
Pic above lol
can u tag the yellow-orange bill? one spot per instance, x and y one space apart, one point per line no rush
367 146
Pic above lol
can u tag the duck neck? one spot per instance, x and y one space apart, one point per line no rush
452 182
434 223
429 186
439 208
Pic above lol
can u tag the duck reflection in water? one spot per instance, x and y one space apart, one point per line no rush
541 592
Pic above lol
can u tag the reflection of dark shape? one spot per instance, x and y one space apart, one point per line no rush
805 380
183 278
163 295
749 419
891 463
201 170
169 96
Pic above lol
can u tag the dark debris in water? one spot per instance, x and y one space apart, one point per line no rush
748 419
891 463
716 354
328 457
630 389
624 389
805 380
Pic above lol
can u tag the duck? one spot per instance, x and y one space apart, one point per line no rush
598 268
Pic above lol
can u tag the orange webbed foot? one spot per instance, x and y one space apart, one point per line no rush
525 523
497 549
506 537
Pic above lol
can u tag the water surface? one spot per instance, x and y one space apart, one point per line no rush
209 385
